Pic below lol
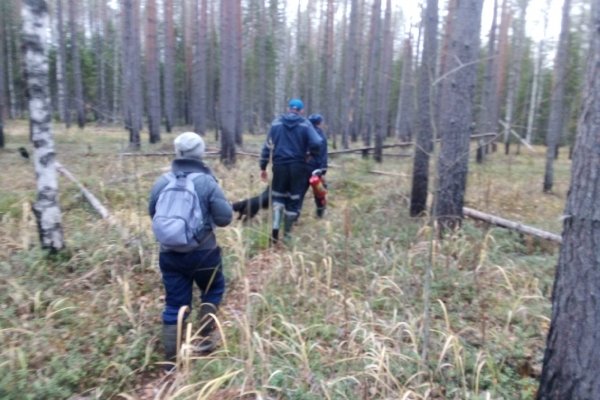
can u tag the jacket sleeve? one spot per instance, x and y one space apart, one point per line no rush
264 155
220 209
314 141
324 155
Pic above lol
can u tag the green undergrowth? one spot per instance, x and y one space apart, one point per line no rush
338 313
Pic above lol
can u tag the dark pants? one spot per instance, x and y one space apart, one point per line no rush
289 186
181 270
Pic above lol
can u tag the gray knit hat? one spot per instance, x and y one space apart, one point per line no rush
189 145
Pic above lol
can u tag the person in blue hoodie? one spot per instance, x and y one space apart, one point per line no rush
289 141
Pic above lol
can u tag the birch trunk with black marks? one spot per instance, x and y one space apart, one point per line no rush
46 207
572 357
456 120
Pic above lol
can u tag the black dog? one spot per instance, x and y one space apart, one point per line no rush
24 153
248 208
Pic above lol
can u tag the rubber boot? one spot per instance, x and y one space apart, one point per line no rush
207 342
169 341
274 239
277 216
288 223
320 212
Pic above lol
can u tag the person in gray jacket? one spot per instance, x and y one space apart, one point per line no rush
200 262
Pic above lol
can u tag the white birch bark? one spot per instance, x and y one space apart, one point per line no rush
46 207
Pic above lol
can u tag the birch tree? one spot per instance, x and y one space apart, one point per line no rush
572 357
457 119
34 41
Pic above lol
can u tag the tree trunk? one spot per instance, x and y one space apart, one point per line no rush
514 74
168 74
572 357
152 73
351 68
456 119
131 94
228 80
425 128
384 83
555 123
372 74
76 65
406 103
12 59
198 111
537 69
101 108
61 68
489 113
46 207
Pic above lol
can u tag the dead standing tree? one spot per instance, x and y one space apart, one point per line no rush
46 207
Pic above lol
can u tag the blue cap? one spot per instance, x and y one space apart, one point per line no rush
315 118
296 104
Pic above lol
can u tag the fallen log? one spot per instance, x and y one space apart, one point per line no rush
94 202
517 226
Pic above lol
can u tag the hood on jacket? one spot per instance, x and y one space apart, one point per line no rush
291 119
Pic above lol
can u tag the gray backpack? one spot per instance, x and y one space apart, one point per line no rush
178 216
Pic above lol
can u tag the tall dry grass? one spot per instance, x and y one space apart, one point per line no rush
336 315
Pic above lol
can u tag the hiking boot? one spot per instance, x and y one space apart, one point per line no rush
320 212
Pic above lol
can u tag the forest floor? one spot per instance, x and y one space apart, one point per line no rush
337 314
